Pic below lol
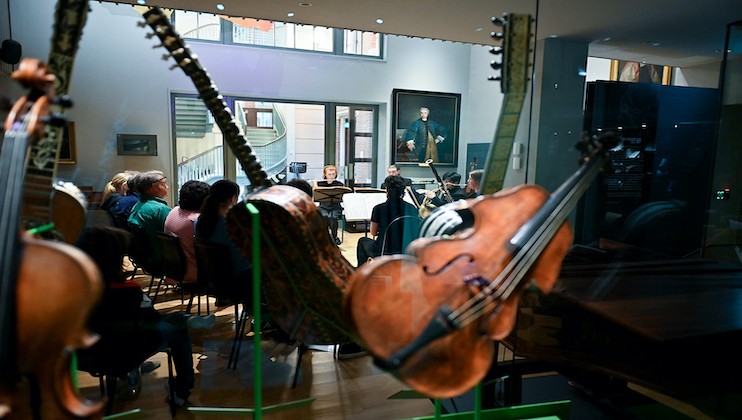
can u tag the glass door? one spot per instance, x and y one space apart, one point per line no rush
356 142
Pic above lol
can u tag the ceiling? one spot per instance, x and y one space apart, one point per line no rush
667 32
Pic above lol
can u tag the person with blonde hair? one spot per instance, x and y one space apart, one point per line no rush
331 211
118 198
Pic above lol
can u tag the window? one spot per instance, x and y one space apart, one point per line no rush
247 31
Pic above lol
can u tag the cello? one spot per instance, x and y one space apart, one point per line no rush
38 333
430 317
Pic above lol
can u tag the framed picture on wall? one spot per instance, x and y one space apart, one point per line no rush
632 71
67 150
136 144
425 125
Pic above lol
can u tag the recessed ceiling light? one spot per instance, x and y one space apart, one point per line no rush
219 6
305 4
141 2
606 39
379 21
290 14
478 30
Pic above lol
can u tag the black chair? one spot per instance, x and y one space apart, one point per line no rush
142 254
118 353
216 276
215 269
169 260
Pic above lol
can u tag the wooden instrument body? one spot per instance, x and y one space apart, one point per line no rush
49 287
391 300
57 289
304 273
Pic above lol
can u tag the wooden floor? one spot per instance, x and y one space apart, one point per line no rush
335 389
341 389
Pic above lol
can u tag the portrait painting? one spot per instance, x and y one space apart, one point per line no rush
633 71
425 126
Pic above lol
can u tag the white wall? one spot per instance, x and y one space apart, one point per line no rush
121 85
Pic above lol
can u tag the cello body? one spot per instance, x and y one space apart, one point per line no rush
391 300
57 287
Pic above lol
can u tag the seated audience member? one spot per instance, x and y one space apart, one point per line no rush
473 183
211 227
331 211
181 219
302 185
151 210
118 199
393 223
125 318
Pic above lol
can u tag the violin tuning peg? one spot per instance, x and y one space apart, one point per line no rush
55 120
149 35
496 50
166 57
495 65
141 24
64 101
494 78
498 21
497 35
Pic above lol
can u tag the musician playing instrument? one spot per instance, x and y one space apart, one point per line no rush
390 224
451 181
331 211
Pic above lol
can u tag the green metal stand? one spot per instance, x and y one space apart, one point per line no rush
257 412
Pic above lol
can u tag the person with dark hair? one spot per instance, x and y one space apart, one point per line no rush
181 219
302 185
129 326
393 223
451 181
211 227
151 210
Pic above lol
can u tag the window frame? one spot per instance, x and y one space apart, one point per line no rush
338 39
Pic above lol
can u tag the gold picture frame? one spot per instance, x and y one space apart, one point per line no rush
68 149
633 71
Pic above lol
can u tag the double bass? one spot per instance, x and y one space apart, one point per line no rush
47 289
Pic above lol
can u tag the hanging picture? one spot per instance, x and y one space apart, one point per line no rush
425 125
632 71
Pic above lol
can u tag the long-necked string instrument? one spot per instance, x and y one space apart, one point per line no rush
303 272
45 200
431 317
47 289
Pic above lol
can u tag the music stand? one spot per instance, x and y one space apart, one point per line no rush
331 195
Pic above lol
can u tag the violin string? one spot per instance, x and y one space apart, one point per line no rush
510 277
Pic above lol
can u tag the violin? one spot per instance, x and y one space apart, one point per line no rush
431 317
47 289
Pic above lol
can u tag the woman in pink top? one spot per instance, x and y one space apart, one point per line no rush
180 222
